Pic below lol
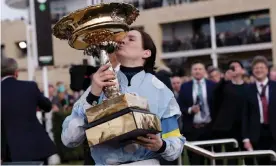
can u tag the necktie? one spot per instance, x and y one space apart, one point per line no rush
264 104
200 100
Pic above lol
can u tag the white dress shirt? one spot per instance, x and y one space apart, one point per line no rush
259 87
197 118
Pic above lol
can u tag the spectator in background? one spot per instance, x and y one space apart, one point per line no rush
272 74
53 98
186 79
259 119
229 102
23 138
65 100
176 83
214 75
59 83
252 79
62 102
227 76
195 101
246 79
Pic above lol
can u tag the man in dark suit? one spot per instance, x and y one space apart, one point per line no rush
259 119
229 102
195 101
23 137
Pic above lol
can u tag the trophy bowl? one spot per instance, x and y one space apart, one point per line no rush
95 24
97 30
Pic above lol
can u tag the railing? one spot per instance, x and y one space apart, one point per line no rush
216 142
210 143
192 146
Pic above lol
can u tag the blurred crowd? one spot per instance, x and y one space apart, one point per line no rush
62 97
215 74
231 104
200 40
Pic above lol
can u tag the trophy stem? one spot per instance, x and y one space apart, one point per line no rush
110 91
101 51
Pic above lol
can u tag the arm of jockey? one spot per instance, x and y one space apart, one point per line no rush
174 141
73 132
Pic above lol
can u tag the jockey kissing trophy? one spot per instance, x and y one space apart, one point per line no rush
121 118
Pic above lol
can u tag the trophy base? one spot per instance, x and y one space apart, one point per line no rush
122 127
116 104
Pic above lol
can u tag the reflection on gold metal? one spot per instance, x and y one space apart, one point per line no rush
102 35
114 105
133 121
146 121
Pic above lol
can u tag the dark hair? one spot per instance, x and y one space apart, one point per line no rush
197 62
8 67
213 69
235 61
259 59
148 44
51 86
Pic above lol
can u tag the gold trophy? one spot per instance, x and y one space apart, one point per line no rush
120 118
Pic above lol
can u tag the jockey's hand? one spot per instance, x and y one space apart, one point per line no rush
152 142
100 80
